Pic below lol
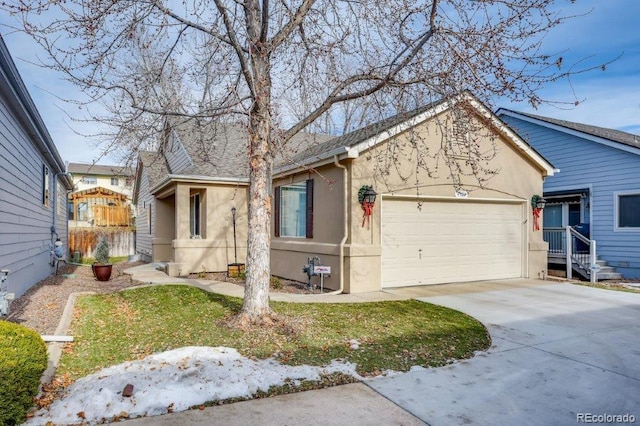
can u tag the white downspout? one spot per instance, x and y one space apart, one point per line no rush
346 222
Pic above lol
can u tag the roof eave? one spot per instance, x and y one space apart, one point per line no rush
27 111
315 161
597 139
171 178
353 152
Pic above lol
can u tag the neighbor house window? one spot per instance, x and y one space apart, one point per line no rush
628 211
90 180
194 215
294 210
45 186
70 212
114 181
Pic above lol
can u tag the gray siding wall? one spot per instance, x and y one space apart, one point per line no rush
607 170
25 224
176 155
144 206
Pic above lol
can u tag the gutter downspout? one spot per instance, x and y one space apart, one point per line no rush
346 223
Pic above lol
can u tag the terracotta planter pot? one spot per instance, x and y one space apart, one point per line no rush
101 272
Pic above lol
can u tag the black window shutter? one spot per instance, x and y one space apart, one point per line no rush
276 211
309 208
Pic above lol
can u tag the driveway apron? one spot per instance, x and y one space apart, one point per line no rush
560 354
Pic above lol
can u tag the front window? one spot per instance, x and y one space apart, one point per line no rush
293 210
114 181
194 216
628 211
90 180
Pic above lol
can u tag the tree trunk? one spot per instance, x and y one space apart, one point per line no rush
258 272
255 309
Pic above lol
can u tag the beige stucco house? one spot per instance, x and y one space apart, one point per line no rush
441 214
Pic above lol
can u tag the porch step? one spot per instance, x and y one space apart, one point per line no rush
609 276
607 272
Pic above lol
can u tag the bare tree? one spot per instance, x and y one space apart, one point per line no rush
336 60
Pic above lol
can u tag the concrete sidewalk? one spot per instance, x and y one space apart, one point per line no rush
152 274
353 404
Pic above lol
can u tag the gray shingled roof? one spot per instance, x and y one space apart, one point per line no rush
220 150
216 150
97 169
601 132
154 165
355 137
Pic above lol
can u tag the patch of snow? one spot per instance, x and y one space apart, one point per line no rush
353 343
174 381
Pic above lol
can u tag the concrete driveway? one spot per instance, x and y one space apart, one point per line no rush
560 353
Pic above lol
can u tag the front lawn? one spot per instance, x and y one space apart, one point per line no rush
110 329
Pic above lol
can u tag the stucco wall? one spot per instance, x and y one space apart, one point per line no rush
289 255
215 250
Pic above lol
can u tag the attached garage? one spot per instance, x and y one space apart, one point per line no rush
455 187
442 240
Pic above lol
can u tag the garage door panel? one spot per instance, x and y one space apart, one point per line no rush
450 242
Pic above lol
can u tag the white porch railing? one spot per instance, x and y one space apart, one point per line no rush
575 248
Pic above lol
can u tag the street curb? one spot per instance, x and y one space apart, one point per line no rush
54 349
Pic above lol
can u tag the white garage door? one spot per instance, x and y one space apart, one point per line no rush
445 242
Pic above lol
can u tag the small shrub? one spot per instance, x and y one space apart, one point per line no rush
23 358
276 283
102 251
203 273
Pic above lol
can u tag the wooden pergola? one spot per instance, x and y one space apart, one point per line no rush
100 207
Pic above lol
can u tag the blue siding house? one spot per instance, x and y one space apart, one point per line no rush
597 188
33 185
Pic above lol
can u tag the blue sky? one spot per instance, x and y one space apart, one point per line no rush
608 99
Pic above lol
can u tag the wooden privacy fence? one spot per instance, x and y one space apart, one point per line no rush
84 240
111 215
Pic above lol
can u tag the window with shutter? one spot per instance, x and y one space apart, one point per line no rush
294 210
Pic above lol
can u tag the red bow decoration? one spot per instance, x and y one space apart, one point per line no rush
368 210
536 219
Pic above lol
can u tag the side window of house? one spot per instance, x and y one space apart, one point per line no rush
114 181
148 208
45 185
194 216
294 210
628 211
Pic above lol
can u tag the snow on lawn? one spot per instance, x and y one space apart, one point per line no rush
174 381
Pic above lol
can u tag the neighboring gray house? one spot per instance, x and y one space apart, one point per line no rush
597 189
33 184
